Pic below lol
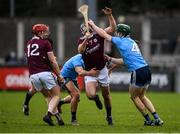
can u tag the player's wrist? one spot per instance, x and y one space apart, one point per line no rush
110 59
109 15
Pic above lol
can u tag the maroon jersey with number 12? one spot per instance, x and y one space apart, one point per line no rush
93 55
36 53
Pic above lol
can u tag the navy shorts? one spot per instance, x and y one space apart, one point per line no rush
141 77
69 79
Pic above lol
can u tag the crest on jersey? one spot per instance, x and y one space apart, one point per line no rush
95 40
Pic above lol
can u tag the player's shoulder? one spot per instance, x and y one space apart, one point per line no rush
77 57
38 39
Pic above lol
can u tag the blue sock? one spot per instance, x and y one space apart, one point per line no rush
147 118
155 115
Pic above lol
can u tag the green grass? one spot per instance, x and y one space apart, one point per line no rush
126 117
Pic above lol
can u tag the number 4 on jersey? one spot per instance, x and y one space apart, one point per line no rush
135 48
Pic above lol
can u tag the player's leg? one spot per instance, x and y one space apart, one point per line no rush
28 97
65 100
134 94
148 104
55 92
49 83
90 87
48 98
103 80
75 95
107 103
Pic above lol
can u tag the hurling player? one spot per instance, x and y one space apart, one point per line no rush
140 71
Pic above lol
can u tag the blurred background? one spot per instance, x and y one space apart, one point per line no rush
155 24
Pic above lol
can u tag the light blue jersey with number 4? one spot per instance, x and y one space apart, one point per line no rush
130 52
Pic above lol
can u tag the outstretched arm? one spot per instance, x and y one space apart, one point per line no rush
118 61
100 31
82 72
112 23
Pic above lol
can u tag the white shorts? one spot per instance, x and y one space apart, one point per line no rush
102 78
43 80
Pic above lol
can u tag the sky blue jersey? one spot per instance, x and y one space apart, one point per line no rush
68 69
130 52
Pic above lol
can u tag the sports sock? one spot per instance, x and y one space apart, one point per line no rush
49 114
147 118
58 117
96 98
61 102
27 99
73 114
108 111
155 115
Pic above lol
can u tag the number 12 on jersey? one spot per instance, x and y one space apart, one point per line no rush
32 50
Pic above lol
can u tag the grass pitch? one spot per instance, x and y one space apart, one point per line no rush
126 118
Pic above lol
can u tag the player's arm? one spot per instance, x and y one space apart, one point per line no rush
82 46
100 31
112 23
111 68
118 61
53 63
82 72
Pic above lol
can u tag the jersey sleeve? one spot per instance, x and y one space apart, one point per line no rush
49 47
114 40
79 41
77 62
117 41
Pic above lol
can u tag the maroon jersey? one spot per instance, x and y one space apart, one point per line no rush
93 55
36 53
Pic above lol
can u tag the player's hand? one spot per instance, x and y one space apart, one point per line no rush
107 11
107 57
91 23
94 72
87 35
60 80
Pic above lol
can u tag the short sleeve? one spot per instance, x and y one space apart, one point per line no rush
115 40
77 62
49 47
119 43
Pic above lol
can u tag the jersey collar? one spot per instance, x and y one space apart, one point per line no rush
35 37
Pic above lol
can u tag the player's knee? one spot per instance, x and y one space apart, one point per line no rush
133 97
76 95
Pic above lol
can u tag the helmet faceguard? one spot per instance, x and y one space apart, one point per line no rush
123 29
84 29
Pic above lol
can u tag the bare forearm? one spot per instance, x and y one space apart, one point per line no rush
82 46
55 67
112 24
84 73
100 31
118 61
